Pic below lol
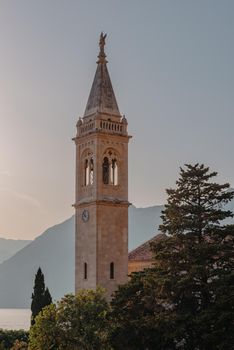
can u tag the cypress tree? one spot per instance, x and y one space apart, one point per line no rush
47 297
40 296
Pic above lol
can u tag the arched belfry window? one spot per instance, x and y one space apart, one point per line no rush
91 172
88 174
110 168
112 271
114 172
86 181
105 171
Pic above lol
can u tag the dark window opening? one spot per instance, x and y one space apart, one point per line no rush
112 271
105 171
85 271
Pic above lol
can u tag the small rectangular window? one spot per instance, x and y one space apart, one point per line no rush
85 271
112 271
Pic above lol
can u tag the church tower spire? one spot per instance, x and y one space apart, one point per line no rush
101 187
102 98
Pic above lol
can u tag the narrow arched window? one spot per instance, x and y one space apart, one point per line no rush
105 171
85 271
112 271
114 172
86 179
91 172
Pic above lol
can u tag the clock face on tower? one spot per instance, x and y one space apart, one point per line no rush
85 215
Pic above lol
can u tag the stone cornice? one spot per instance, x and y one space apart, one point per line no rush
100 134
114 202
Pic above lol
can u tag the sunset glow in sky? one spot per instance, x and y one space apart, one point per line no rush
171 66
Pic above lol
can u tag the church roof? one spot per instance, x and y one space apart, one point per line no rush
102 98
143 252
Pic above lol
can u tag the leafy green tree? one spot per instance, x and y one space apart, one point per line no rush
2 347
44 334
76 322
41 297
9 337
19 345
186 301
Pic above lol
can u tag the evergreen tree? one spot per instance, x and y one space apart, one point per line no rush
186 301
199 259
196 205
40 297
47 297
138 319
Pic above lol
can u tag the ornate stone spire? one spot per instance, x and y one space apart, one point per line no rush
102 98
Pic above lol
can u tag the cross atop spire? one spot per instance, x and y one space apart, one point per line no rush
102 98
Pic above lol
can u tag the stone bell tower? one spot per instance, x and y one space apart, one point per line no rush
101 187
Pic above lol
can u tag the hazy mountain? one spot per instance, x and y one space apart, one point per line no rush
143 224
8 247
53 251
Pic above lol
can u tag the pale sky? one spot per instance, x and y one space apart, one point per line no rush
171 66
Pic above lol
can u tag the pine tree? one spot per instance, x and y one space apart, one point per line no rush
40 297
196 205
196 264
186 301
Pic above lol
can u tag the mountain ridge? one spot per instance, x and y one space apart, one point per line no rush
9 247
54 252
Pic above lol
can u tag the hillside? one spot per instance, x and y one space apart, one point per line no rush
53 251
8 247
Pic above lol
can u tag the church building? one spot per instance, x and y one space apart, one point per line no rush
101 201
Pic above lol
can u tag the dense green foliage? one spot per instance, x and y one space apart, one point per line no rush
75 322
186 301
20 345
200 262
139 320
9 337
41 296
196 206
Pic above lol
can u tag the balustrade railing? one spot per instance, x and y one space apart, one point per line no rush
102 125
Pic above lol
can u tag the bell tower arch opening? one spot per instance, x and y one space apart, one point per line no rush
110 167
105 171
88 167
